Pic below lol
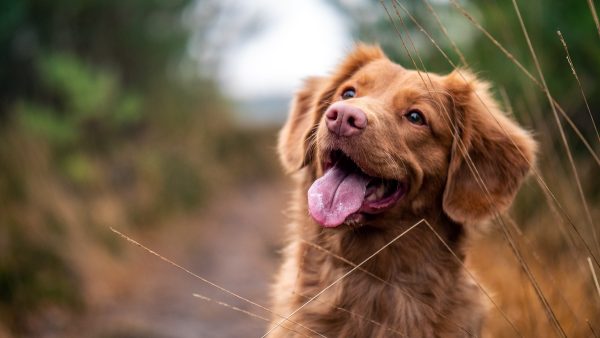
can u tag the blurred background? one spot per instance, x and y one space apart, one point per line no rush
159 118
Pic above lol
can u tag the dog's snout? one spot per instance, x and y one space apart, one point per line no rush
345 120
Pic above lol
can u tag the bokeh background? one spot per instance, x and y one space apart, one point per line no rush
159 118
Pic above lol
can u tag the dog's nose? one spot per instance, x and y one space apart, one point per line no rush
345 120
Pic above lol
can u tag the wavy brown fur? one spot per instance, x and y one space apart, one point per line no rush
415 287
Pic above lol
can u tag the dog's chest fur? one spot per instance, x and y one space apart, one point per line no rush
413 288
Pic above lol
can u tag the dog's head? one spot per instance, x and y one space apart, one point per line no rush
381 140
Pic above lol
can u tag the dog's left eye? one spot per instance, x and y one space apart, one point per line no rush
415 117
348 93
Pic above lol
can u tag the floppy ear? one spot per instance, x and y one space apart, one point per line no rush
309 104
293 136
488 148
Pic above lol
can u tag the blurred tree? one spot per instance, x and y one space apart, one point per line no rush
138 40
95 100
102 103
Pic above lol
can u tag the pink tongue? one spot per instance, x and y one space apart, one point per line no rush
336 195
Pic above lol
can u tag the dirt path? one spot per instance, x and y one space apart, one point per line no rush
233 243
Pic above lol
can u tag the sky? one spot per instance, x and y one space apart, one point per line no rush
296 39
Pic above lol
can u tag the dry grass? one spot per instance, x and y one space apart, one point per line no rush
566 286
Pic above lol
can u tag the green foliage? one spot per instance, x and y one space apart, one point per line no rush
87 95
32 275
86 92
90 103
138 40
90 110
44 121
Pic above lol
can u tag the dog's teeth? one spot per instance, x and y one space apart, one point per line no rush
380 191
375 194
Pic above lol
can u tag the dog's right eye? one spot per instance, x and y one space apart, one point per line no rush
348 93
416 117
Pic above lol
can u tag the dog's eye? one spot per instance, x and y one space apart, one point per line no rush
415 117
348 93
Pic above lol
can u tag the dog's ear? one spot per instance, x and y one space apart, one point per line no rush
294 135
309 104
491 154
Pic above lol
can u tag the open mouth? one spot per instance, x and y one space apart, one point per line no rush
345 191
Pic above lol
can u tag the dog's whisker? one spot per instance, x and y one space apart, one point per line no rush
311 141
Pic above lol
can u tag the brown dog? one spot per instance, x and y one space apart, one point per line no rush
376 148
